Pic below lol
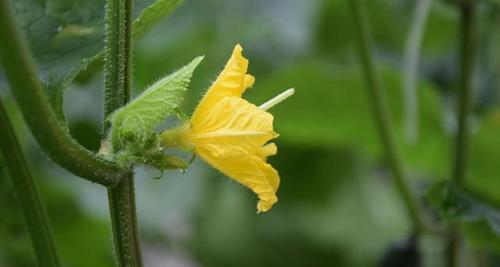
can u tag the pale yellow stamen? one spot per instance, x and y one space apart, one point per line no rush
277 99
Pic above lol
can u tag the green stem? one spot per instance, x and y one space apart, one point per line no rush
382 115
39 115
466 63
460 165
117 68
453 247
27 193
410 73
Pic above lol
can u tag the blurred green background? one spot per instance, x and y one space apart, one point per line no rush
337 203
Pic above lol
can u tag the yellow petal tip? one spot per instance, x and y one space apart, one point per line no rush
265 206
249 81
237 49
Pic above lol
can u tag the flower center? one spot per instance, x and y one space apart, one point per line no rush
178 137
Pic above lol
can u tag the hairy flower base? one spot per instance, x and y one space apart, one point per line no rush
232 134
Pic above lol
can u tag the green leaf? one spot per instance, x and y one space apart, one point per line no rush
456 205
136 122
66 36
479 220
481 236
152 15
483 172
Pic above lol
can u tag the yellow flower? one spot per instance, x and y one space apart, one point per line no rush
231 134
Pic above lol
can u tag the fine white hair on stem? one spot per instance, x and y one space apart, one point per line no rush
277 99
410 77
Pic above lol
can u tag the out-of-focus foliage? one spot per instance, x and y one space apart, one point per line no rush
74 230
13 237
323 194
339 95
480 221
485 152
337 203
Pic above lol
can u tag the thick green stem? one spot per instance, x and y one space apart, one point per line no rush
27 193
123 217
117 67
382 115
117 56
39 115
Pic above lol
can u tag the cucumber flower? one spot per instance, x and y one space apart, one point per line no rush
231 134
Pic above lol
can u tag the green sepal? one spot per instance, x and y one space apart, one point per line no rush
133 137
151 153
136 122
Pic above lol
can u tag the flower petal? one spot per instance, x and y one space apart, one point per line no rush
233 137
232 81
232 134
234 122
248 169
